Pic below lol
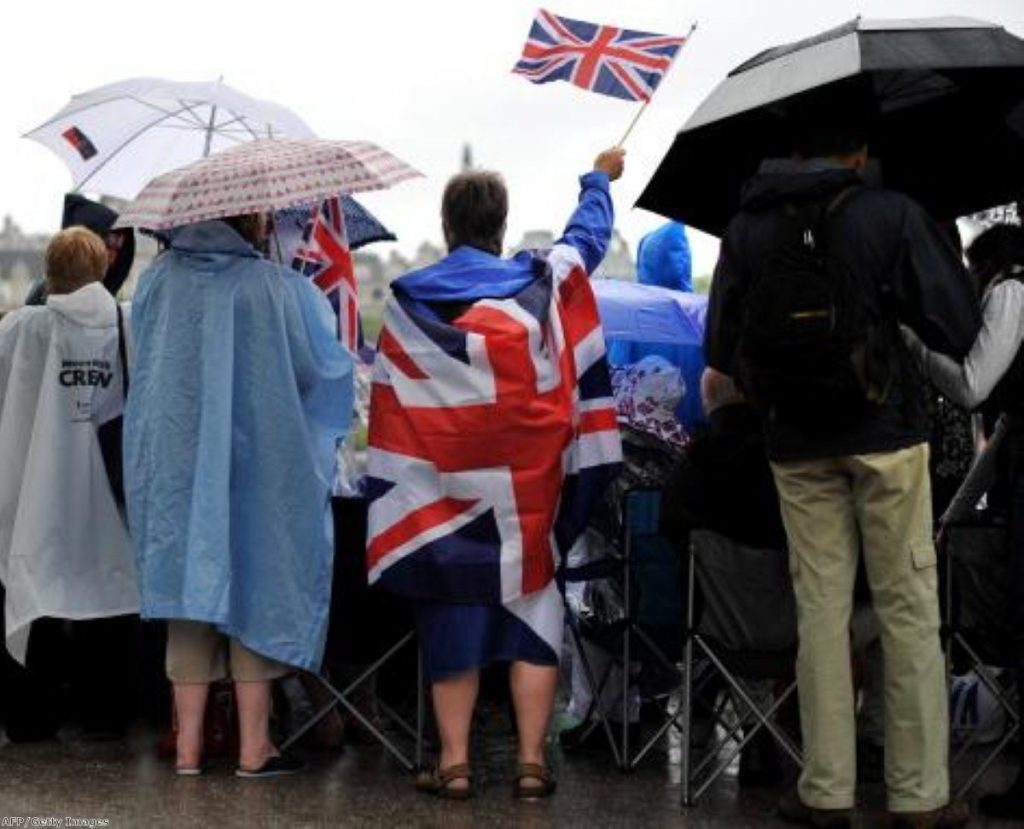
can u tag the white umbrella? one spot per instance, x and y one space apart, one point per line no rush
260 177
116 138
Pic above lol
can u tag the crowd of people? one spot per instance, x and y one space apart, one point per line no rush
174 458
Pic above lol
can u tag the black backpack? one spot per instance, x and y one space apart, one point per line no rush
811 348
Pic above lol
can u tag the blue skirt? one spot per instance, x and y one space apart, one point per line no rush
457 638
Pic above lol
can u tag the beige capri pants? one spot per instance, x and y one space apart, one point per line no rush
198 654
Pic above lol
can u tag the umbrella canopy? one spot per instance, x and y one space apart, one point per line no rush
361 226
949 129
116 138
649 314
261 177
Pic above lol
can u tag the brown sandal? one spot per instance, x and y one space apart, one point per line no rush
437 781
533 771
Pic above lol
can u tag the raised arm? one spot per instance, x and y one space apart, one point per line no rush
589 229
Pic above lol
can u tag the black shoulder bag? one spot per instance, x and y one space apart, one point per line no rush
110 433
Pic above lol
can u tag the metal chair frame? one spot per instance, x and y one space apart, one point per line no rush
697 644
954 638
619 743
410 760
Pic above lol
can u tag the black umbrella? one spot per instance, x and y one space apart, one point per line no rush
949 131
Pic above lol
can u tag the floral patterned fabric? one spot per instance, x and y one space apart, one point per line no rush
646 396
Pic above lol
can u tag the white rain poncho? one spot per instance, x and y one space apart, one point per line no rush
64 549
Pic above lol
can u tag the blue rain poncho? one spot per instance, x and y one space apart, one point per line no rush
239 394
663 259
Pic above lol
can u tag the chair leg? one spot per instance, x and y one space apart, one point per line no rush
596 689
341 698
421 693
1008 705
687 700
310 724
781 738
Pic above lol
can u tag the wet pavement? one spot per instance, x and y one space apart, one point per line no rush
128 785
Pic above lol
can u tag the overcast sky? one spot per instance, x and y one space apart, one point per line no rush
419 78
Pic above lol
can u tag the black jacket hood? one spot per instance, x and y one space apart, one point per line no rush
785 180
78 210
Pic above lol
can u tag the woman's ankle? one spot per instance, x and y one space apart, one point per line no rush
188 749
447 760
531 758
254 758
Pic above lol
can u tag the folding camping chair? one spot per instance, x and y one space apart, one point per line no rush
641 509
350 588
343 698
652 315
973 545
746 630
972 636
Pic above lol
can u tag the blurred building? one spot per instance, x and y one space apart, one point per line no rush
21 263
617 264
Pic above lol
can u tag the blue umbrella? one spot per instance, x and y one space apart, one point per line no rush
362 226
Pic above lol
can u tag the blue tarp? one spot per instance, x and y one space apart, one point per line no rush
650 314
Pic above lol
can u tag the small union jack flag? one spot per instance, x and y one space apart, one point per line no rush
325 258
606 59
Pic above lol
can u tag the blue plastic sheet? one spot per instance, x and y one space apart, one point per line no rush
650 314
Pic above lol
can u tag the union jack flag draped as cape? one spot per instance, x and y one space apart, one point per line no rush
492 434
606 59
324 257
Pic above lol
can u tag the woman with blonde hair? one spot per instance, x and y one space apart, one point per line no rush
64 550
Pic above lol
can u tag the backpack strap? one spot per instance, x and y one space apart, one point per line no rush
843 197
816 215
122 350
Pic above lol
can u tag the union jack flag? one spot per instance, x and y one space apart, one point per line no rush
492 436
325 258
606 59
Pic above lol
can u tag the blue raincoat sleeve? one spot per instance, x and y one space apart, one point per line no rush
239 394
590 227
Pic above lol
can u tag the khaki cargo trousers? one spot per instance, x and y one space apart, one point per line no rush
834 508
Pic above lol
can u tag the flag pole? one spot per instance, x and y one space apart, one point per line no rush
632 123
647 103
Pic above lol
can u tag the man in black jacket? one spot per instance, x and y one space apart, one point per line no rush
855 481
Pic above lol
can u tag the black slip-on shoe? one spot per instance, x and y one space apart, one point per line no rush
280 765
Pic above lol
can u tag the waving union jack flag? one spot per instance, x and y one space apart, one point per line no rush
606 59
325 258
492 436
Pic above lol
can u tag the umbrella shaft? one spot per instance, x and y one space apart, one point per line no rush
209 131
